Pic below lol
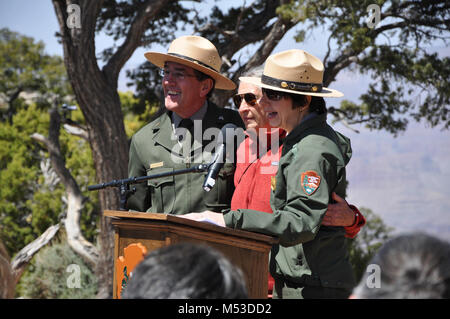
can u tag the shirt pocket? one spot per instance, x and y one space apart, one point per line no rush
220 195
162 190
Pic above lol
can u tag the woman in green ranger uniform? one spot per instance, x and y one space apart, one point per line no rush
311 260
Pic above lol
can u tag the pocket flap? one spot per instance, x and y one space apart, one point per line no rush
158 181
227 170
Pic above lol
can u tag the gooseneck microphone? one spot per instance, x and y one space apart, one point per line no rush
219 158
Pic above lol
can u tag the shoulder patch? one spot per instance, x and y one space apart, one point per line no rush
310 182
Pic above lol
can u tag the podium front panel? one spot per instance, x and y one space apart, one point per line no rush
248 251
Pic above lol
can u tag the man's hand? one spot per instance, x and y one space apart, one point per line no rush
339 214
206 216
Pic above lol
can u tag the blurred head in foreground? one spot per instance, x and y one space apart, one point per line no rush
410 266
185 271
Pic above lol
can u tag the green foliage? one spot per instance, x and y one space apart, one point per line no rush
49 275
137 112
24 67
409 81
19 177
20 60
368 241
404 77
30 203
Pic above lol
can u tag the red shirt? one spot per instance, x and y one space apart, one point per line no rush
254 169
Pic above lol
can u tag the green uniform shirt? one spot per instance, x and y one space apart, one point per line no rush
311 167
154 149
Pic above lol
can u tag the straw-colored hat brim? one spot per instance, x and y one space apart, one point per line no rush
325 92
158 59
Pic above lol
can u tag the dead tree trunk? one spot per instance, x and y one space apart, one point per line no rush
7 280
75 198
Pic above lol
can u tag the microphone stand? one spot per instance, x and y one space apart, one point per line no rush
124 184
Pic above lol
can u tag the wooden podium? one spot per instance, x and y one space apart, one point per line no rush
249 251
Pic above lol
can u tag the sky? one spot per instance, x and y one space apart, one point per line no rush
403 179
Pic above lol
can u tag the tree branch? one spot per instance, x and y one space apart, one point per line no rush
334 67
278 30
239 19
75 198
147 11
23 257
269 39
325 59
411 22
76 131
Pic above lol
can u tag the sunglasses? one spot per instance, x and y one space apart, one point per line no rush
250 98
273 95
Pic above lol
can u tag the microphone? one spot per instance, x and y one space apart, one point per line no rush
218 160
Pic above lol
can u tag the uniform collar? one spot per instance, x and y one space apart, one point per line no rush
164 129
199 115
310 120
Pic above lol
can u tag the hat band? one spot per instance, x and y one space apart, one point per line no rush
193 60
291 85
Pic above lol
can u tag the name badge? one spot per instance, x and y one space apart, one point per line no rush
156 165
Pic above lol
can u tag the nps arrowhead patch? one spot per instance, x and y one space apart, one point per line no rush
310 182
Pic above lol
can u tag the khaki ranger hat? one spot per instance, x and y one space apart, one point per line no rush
293 71
196 52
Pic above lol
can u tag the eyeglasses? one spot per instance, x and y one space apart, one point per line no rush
250 98
273 95
178 75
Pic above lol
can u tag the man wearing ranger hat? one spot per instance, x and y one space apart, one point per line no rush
190 71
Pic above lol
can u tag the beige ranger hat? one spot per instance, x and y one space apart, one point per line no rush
293 71
196 52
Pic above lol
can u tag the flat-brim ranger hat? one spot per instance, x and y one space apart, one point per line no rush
196 52
293 71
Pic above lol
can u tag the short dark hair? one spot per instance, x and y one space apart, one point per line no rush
317 104
201 77
411 266
185 271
